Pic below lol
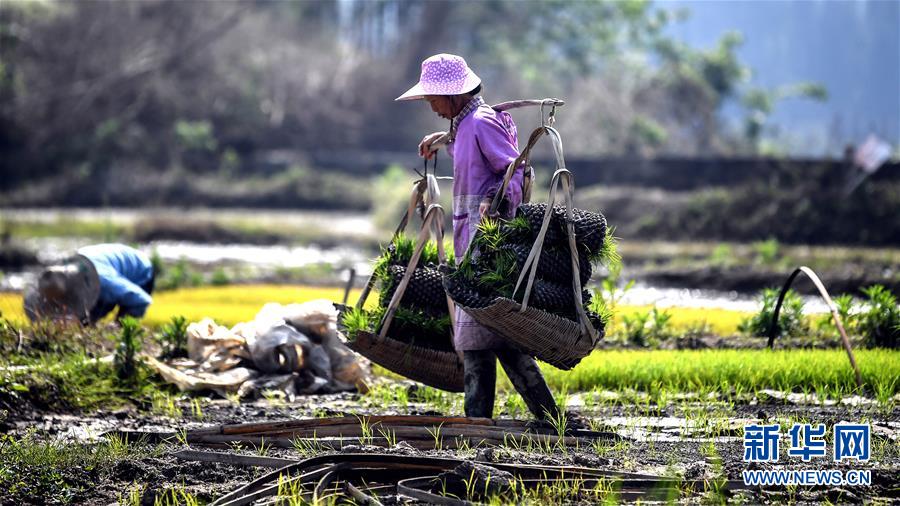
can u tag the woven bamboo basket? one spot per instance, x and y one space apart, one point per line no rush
558 341
441 369
550 338
438 369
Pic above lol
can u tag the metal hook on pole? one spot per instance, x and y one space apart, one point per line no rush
549 119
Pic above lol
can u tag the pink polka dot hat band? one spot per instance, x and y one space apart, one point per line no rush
443 74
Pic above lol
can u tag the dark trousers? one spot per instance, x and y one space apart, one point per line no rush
522 370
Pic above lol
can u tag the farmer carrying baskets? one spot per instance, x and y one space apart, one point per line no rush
483 143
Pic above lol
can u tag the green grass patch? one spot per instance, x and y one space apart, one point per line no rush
31 468
237 303
69 381
722 370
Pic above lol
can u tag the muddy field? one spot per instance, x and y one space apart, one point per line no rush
684 437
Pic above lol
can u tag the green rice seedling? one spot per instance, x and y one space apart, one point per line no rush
308 447
603 447
560 423
163 403
602 308
435 432
291 492
173 338
518 229
355 320
636 329
470 483
489 235
589 399
445 493
176 497
399 251
263 449
884 394
390 436
439 400
661 396
612 295
501 277
234 398
385 395
514 405
132 497
366 434
197 409
464 447
128 347
510 441
845 309
880 323
791 321
716 490
608 254
884 449
660 327
31 468
704 371
275 398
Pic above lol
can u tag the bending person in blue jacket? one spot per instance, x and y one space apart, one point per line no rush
86 288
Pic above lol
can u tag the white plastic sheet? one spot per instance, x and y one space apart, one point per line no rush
293 349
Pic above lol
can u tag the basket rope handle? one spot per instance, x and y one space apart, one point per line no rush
434 213
561 178
415 197
528 176
511 170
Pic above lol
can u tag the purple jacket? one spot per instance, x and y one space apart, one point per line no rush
486 143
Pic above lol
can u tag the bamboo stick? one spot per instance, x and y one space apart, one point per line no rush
402 431
244 428
232 459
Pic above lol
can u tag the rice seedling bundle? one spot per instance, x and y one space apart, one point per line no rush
422 318
500 248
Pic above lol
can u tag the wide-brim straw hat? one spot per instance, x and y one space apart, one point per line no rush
443 74
65 291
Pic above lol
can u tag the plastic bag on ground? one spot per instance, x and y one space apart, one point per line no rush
280 349
294 349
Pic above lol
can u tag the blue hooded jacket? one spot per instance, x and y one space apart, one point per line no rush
126 278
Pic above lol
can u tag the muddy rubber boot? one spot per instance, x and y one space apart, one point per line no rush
527 379
480 376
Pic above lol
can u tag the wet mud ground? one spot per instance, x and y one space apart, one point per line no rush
690 438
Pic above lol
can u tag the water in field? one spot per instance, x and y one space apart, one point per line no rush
643 294
338 235
337 222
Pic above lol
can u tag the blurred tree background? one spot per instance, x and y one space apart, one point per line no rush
283 104
98 86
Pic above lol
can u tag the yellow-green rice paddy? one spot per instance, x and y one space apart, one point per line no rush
645 370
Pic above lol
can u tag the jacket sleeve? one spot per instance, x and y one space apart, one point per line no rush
131 299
